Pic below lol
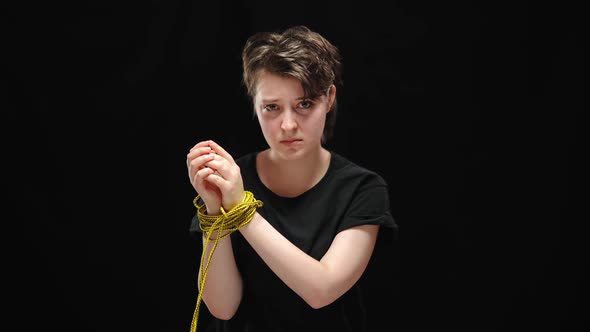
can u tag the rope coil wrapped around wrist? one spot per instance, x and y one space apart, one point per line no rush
225 224
230 221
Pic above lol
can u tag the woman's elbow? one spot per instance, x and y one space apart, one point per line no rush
319 299
225 313
222 308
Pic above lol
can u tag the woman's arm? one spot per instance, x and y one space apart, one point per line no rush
222 291
319 283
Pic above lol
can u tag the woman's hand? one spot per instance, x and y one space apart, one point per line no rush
198 172
215 176
226 176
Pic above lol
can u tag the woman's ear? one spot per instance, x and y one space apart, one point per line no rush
331 96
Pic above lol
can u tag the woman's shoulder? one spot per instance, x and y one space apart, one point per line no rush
345 167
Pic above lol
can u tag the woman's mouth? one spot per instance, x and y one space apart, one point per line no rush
290 141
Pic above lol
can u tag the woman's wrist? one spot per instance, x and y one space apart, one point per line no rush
213 212
214 235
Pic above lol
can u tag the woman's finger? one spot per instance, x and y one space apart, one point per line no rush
224 168
200 145
197 151
220 151
196 164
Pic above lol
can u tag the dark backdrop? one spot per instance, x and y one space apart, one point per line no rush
470 111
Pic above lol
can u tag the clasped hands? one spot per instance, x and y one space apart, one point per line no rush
215 176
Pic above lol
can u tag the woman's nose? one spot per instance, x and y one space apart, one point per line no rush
288 122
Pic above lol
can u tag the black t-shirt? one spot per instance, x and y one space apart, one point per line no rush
348 195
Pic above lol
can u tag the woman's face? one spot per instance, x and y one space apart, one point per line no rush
291 125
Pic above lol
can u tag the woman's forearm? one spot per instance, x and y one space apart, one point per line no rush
316 282
222 291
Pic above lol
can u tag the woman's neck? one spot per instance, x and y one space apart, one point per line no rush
291 178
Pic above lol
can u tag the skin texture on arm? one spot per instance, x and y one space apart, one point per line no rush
319 283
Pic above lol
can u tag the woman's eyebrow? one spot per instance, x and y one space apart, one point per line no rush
273 100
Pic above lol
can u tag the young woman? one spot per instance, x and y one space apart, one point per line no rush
287 231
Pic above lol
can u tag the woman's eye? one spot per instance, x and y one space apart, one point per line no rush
271 107
305 104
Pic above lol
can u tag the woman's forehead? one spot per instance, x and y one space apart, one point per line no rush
271 86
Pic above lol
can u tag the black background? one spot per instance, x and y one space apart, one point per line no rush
470 111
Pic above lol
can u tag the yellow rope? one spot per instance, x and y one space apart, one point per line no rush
230 222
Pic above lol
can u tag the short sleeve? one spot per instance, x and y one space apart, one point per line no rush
371 206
